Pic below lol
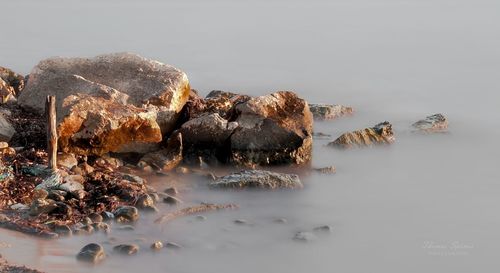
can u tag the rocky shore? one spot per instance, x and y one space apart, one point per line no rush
121 117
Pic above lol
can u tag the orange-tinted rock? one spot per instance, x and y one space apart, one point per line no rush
167 158
379 134
12 79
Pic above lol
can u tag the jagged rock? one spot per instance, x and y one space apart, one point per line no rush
92 125
92 253
126 249
126 214
206 137
329 111
436 123
6 92
378 134
6 129
12 79
273 129
167 158
258 179
223 103
51 182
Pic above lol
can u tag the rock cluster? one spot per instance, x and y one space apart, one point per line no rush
379 134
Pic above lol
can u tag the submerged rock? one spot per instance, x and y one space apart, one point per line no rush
304 236
66 160
258 179
126 214
167 158
126 249
436 123
329 111
326 170
378 134
273 129
91 253
157 245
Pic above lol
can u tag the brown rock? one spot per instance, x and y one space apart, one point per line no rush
378 134
12 79
167 158
6 91
66 160
273 129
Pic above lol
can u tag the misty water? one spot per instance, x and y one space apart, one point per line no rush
427 203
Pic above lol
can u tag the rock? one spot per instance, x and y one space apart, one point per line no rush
37 170
280 220
63 210
95 217
304 236
171 200
40 193
102 227
87 221
320 135
19 206
77 170
66 160
200 217
182 170
145 202
51 182
54 195
223 103
133 178
206 137
376 135
92 253
4 145
6 129
329 111
74 178
12 79
39 206
323 229
157 245
258 179
90 125
126 228
167 158
171 191
107 216
141 81
436 123
240 221
273 129
172 245
326 170
7 93
63 230
126 214
126 249
86 168
107 161
72 186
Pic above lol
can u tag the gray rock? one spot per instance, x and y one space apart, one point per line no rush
19 206
436 123
91 253
172 245
107 216
329 111
39 206
51 182
171 200
133 178
377 135
304 236
323 229
126 214
258 179
157 245
126 249
273 129
167 158
171 191
326 170
6 129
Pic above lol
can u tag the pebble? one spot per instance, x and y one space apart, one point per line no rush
157 245
96 217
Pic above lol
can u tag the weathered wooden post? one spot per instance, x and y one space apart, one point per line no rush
50 110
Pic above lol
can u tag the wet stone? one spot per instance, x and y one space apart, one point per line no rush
91 253
436 123
63 230
240 222
326 170
126 249
304 236
171 200
100 226
126 214
157 245
39 206
171 191
107 216
280 221
96 217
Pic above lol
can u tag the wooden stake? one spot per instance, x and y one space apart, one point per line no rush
50 110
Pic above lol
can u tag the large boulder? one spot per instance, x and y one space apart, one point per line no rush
273 129
379 134
137 97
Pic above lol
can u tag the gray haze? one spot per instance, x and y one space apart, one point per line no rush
395 60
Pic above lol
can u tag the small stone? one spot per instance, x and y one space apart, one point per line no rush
240 222
126 214
126 249
55 196
63 230
86 221
4 145
171 191
40 206
172 200
66 160
92 253
86 168
326 170
95 217
157 245
436 123
107 216
77 170
40 194
323 229
258 179
87 229
304 236
63 210
133 178
145 202
19 206
377 135
280 220
172 245
329 111
100 226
